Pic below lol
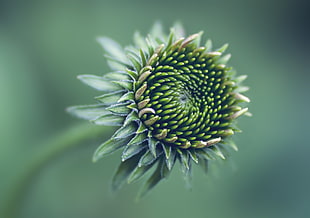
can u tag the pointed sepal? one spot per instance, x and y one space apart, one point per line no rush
125 131
110 98
99 83
123 172
155 178
112 48
88 112
171 160
109 120
119 109
132 149
109 147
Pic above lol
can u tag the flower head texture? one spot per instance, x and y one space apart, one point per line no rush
173 98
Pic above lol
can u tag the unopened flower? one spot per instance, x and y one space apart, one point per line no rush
173 99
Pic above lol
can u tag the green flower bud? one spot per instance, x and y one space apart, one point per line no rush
172 97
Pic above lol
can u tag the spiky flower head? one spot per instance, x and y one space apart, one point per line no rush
173 100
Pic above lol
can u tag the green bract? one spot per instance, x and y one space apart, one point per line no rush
172 97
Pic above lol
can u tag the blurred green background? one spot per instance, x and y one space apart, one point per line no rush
44 45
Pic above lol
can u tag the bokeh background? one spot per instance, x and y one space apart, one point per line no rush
44 45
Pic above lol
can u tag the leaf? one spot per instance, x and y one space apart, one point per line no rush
109 147
165 172
143 57
115 64
138 172
155 178
110 98
126 84
112 48
148 158
218 151
190 39
204 165
208 45
185 166
131 150
179 31
109 120
193 155
119 109
224 149
133 107
152 143
123 171
232 145
197 41
240 79
184 159
150 44
132 51
125 131
126 97
117 75
133 74
157 31
141 128
132 117
224 59
170 39
171 160
241 89
206 153
188 176
167 150
223 48
138 139
135 63
139 41
88 112
99 83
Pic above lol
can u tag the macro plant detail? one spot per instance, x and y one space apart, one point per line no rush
173 99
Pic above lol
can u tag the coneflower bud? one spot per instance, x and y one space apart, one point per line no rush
173 98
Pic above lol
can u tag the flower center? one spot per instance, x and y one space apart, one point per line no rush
184 100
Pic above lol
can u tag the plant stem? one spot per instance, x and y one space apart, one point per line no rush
69 139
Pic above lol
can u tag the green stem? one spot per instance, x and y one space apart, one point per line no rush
73 137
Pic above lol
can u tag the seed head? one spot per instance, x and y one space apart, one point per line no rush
172 98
